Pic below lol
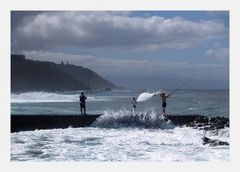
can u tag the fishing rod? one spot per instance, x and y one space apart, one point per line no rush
181 86
88 82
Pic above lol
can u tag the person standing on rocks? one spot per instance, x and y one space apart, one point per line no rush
164 103
82 99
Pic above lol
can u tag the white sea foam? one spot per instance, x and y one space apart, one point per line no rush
222 134
115 144
38 97
146 96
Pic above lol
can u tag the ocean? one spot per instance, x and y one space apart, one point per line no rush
108 139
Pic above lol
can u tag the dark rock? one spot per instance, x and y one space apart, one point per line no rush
213 142
200 122
201 119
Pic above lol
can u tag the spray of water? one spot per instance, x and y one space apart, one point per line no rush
125 118
147 96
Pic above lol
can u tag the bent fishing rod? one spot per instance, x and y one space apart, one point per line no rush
178 88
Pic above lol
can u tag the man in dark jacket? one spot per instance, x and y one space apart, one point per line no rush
82 99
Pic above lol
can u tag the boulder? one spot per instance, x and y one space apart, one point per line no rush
213 142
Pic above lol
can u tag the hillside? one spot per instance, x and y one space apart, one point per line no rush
30 75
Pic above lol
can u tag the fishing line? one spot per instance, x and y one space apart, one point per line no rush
181 86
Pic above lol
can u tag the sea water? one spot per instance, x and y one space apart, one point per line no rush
204 102
120 135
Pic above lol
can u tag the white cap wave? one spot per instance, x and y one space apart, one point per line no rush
37 97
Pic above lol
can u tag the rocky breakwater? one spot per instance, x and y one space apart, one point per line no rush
202 123
199 121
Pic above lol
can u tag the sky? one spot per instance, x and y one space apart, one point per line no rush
133 49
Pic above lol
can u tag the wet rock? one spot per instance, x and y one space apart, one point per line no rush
202 119
201 122
213 142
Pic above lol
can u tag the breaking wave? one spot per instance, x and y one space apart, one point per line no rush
125 118
38 97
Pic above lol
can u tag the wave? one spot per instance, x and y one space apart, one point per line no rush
193 108
39 97
220 134
125 118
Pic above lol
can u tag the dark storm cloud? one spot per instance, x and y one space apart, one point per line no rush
49 30
18 17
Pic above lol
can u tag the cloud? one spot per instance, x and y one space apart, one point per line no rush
131 68
50 30
220 53
17 17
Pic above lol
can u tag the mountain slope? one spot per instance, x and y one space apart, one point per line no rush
29 75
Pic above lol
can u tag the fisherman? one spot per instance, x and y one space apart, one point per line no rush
82 99
164 103
134 104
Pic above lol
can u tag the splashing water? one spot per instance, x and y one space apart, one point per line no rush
146 95
125 118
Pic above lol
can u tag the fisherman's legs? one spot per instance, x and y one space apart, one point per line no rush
83 108
81 111
164 110
164 105
134 109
